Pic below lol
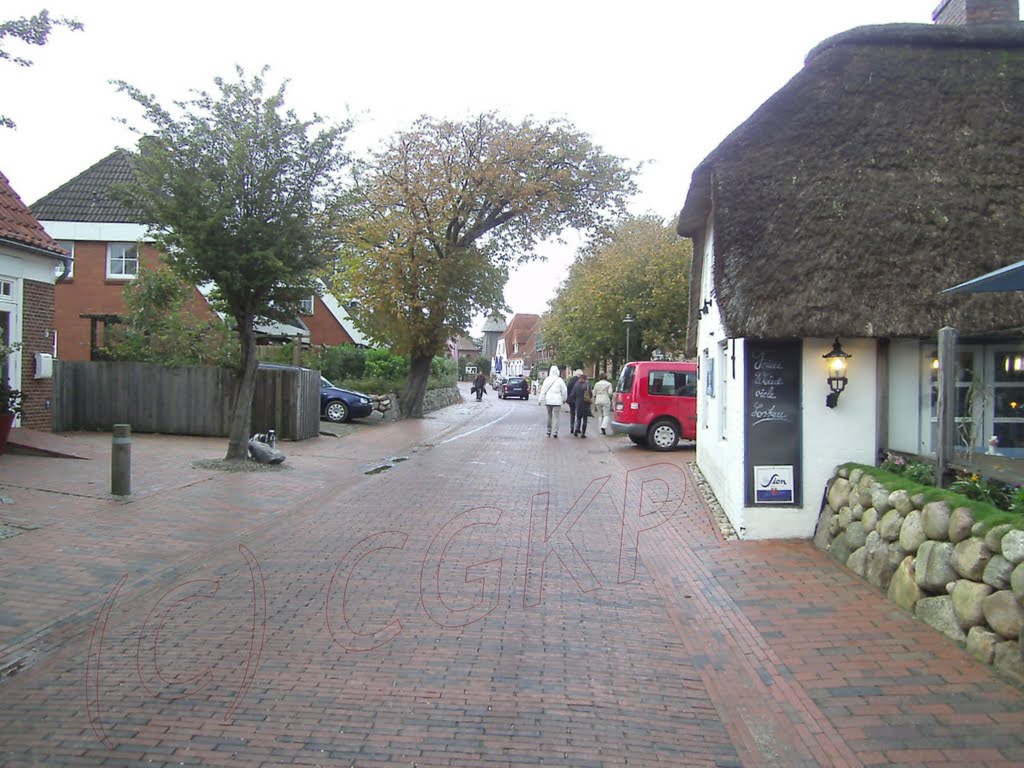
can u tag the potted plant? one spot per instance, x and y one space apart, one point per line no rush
10 398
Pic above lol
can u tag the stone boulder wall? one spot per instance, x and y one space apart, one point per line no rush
934 560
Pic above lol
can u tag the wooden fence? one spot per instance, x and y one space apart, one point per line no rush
193 400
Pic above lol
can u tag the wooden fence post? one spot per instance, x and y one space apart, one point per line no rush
946 403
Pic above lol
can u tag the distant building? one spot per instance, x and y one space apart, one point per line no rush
518 345
494 328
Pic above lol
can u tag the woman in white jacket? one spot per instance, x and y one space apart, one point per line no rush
553 394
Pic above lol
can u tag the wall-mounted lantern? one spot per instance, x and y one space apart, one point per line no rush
836 360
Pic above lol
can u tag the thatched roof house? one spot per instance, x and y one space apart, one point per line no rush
888 169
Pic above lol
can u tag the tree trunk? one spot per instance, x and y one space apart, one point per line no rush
245 386
411 400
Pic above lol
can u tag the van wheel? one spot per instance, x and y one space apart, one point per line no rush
637 440
663 435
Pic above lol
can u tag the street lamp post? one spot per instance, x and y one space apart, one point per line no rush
628 320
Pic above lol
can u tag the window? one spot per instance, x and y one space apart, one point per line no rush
69 246
306 306
1008 400
673 383
122 260
6 289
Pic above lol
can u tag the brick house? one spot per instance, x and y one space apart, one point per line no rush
30 261
109 246
517 345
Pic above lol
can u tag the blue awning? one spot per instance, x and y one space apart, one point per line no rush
1010 278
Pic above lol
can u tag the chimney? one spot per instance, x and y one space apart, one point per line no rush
976 12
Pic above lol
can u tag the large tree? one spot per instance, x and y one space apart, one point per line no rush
31 30
641 268
446 208
240 194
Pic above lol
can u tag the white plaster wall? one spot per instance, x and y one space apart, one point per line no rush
719 452
16 263
905 433
831 436
97 231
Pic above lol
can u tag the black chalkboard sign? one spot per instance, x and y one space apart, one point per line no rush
773 428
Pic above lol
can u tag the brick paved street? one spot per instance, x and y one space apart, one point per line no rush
456 591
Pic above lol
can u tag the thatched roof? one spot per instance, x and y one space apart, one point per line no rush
889 168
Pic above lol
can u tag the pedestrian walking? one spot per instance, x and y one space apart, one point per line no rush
603 403
552 395
572 400
479 386
583 397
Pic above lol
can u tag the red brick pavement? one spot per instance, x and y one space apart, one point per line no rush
485 602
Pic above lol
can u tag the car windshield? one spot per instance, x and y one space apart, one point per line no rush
325 383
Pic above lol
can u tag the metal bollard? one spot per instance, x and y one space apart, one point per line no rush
121 460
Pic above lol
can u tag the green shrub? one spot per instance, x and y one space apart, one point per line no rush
920 472
383 364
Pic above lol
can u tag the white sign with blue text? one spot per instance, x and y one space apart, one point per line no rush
773 484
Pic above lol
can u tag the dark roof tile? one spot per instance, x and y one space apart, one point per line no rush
87 196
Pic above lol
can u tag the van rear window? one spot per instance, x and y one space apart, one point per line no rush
676 383
626 379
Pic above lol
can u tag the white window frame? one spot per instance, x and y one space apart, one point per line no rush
112 254
307 304
723 390
69 246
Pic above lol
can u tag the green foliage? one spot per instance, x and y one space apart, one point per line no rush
920 472
483 364
10 398
31 30
640 267
162 328
442 212
977 488
343 362
374 371
243 195
916 471
983 511
444 372
383 364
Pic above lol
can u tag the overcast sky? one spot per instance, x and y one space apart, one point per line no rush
651 81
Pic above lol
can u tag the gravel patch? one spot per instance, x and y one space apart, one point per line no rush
238 465
716 509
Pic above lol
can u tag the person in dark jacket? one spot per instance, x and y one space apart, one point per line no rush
480 385
570 386
582 397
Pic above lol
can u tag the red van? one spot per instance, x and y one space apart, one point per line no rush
656 403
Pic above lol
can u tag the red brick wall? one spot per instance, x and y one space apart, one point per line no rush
89 292
323 327
976 11
36 336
